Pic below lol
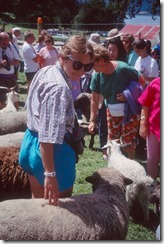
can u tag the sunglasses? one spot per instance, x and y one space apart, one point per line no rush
77 65
48 41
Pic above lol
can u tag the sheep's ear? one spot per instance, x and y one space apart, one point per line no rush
93 179
105 147
127 181
89 179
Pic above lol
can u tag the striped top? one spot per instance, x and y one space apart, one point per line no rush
50 108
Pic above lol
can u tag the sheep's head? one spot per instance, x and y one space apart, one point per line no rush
13 95
82 102
108 176
114 146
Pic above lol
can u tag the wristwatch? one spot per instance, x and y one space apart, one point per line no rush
51 174
143 118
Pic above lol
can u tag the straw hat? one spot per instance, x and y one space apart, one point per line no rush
113 34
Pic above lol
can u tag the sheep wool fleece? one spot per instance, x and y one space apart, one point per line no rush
102 215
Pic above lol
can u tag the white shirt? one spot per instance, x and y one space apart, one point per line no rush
28 55
15 41
147 66
11 54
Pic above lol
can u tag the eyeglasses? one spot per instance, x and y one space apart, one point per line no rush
48 41
77 65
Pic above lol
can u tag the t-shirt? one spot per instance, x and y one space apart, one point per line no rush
11 53
132 57
109 85
151 98
147 66
28 55
50 56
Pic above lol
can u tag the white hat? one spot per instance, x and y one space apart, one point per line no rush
16 29
113 34
94 38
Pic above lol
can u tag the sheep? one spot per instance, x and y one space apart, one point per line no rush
155 199
11 140
138 192
12 100
14 181
101 215
82 104
13 122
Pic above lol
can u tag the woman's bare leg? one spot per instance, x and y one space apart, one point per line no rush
36 189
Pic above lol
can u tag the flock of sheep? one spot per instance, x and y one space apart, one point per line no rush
101 215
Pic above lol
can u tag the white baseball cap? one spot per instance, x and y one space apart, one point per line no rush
16 29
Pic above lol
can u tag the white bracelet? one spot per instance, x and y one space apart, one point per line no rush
51 174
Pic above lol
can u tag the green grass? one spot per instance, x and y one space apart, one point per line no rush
90 161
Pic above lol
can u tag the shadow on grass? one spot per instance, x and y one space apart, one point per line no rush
21 104
22 90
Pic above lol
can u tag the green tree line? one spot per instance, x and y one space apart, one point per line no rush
74 12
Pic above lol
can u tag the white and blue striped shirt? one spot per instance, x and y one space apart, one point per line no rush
50 108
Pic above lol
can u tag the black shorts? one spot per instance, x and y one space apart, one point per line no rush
30 75
8 81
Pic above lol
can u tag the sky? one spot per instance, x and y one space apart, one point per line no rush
143 19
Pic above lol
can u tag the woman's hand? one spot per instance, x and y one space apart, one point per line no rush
121 97
51 190
143 131
91 127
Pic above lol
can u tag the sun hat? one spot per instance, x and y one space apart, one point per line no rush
94 38
113 34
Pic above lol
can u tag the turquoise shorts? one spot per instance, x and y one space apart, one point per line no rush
64 161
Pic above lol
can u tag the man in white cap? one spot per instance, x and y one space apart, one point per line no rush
16 31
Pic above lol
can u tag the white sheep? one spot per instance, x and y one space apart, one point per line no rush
12 100
101 215
13 122
11 140
138 192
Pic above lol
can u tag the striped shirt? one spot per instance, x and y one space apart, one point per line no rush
50 108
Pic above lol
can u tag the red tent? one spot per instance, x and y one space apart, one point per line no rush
148 32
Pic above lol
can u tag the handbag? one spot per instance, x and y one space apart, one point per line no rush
21 66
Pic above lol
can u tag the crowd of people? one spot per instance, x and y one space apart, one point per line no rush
123 76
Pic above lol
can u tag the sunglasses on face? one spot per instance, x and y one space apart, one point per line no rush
48 41
77 65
